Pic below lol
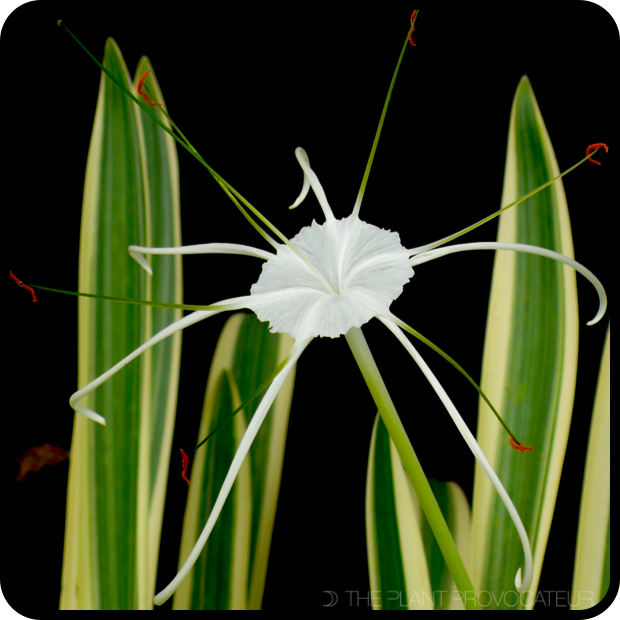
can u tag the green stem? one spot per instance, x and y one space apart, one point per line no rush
412 466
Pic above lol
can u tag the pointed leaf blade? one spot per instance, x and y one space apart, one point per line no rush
399 578
592 563
108 561
530 360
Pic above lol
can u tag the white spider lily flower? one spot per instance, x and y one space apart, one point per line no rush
331 278
357 259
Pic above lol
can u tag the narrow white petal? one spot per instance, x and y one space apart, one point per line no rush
425 257
229 304
231 476
311 179
522 584
137 252
193 318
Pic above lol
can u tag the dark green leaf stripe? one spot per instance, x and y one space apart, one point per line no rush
211 579
120 222
391 572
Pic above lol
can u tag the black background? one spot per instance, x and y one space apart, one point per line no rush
248 84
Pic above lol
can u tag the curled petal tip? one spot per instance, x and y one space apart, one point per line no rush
91 415
302 157
140 259
599 315
521 584
85 411
602 308
518 581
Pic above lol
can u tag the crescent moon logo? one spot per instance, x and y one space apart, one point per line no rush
334 598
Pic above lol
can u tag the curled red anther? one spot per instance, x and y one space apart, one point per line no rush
519 446
595 147
22 285
413 16
141 92
185 466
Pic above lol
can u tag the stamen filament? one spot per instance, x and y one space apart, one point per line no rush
436 244
456 365
387 315
183 142
230 191
261 388
135 302
371 158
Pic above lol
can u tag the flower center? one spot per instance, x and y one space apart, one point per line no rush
366 267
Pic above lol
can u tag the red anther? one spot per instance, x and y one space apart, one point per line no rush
413 15
185 465
519 446
22 285
141 92
595 147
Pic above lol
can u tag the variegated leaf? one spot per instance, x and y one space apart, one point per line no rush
530 362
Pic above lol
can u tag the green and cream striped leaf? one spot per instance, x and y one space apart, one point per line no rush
399 577
115 495
160 384
592 562
230 573
530 362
